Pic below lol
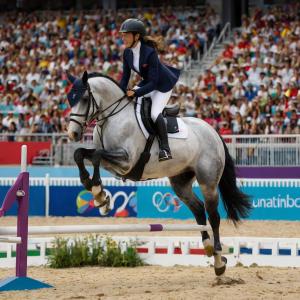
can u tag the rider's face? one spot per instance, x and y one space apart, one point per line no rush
128 38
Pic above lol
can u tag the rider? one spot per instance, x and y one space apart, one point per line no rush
158 79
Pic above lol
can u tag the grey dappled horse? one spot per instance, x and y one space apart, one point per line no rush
118 140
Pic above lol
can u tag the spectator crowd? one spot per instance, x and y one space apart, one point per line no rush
252 88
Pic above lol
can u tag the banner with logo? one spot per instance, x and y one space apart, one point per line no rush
271 199
276 200
275 203
76 201
162 202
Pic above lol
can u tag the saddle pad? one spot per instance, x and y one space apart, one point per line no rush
181 134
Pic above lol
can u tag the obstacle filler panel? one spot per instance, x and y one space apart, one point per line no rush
170 251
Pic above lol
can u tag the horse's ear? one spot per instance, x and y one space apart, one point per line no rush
85 77
71 78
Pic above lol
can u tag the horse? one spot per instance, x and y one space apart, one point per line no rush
118 141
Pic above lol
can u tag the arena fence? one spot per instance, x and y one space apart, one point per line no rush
247 150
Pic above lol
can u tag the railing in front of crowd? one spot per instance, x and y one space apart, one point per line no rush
246 150
264 150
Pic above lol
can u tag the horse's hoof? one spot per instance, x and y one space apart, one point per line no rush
105 207
208 247
102 201
104 210
96 190
221 270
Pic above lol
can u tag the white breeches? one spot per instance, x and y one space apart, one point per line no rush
159 101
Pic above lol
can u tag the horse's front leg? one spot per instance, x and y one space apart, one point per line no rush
79 155
101 199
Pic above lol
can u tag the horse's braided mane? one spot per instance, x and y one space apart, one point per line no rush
96 74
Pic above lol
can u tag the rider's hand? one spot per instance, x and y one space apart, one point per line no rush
130 93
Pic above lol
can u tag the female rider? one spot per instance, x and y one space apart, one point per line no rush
158 79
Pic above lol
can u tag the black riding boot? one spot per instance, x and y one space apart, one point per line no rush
164 149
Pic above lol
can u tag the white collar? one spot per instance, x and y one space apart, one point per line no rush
137 48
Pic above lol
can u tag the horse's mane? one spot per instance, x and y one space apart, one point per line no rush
96 74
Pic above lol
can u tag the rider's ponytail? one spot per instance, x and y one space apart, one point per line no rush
155 42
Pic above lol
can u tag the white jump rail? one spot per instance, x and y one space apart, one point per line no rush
10 239
33 230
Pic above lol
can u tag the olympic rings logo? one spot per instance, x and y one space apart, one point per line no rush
163 202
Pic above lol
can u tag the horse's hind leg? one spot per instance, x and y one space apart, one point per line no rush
211 196
182 185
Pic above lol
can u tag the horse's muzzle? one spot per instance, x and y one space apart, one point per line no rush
74 136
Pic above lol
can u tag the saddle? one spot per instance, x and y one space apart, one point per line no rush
170 113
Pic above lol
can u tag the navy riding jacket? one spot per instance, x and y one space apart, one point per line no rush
156 76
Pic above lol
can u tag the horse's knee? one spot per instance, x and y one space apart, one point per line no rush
95 160
78 155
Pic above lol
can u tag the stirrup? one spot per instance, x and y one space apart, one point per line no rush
164 155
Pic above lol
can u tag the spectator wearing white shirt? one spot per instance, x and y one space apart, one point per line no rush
253 75
221 79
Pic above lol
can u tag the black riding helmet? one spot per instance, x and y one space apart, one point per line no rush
134 26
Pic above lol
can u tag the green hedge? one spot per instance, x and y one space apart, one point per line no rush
90 251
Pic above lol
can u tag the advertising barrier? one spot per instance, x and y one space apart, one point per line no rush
75 201
11 155
271 199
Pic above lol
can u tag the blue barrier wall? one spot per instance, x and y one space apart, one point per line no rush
271 199
36 204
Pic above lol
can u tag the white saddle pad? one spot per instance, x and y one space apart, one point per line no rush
181 134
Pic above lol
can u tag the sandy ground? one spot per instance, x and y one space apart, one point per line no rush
153 282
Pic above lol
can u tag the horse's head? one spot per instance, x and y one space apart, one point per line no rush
79 100
93 97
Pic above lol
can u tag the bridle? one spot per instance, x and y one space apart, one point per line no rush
96 111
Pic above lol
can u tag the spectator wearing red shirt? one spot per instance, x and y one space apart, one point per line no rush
228 52
225 128
209 78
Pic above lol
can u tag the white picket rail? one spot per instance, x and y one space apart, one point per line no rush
188 248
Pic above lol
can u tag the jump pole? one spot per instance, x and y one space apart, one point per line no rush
20 192
33 230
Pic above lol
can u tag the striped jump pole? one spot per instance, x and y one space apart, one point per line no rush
34 230
19 192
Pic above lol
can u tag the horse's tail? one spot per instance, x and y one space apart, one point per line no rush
236 203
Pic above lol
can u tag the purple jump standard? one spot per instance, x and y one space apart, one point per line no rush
20 192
